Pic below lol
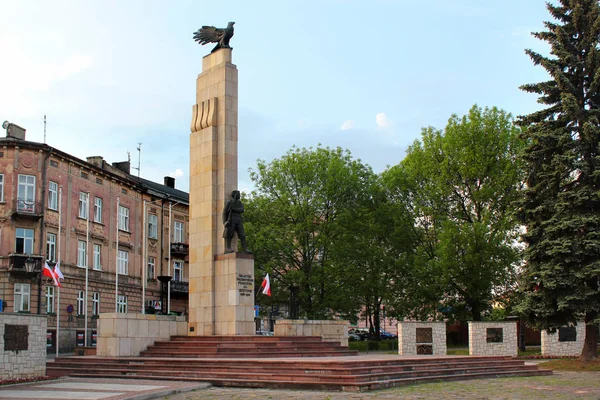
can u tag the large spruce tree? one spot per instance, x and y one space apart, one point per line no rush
561 203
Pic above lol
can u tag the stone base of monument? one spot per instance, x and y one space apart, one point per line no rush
351 374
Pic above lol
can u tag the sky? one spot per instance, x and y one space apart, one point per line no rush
364 75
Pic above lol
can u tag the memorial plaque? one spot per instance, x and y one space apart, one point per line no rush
424 349
424 335
494 335
16 337
567 334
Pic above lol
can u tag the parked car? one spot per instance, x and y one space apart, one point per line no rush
362 333
387 335
354 337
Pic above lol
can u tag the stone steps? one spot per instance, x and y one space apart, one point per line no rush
299 372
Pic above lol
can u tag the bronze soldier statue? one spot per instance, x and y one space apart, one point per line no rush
232 220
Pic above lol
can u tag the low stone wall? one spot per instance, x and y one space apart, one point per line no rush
422 338
22 345
330 331
561 344
493 338
129 334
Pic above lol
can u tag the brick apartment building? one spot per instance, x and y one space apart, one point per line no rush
102 230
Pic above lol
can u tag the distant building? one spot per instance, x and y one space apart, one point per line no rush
141 247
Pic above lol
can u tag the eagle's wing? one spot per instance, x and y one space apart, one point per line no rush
208 34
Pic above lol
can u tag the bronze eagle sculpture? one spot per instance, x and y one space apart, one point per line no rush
210 34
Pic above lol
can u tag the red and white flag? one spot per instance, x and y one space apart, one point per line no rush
266 285
58 272
47 271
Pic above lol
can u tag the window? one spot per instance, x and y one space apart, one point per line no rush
81 302
51 247
178 232
22 293
24 241
54 163
84 175
122 304
151 268
123 262
178 270
81 253
124 218
152 226
99 181
26 193
1 187
83 205
97 252
49 299
98 210
95 303
53 195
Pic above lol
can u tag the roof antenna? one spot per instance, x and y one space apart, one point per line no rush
44 128
139 149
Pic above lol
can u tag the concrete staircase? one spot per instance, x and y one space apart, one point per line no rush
246 347
280 362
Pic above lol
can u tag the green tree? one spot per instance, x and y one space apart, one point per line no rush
372 254
561 204
294 217
459 185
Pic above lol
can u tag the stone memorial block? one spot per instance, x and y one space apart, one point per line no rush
493 338
567 341
422 338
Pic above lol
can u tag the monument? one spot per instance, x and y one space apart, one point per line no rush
221 285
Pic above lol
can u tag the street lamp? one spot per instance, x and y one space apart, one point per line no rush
29 264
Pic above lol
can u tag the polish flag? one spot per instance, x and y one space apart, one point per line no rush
266 286
47 271
58 272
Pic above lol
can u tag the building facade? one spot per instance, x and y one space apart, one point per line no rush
114 234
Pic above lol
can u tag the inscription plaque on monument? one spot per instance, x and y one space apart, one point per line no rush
245 283
424 335
567 334
16 337
424 349
494 335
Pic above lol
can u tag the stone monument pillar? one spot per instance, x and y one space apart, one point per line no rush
221 286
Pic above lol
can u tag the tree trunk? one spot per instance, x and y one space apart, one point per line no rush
590 346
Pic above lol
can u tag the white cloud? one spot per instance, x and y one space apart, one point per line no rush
382 121
349 124
178 173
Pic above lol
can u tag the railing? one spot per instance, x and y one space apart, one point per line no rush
180 287
180 248
27 207
25 263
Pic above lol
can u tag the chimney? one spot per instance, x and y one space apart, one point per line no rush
170 182
96 161
13 130
123 166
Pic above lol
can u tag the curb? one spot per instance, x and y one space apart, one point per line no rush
169 392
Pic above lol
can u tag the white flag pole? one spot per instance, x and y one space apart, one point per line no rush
58 262
144 262
87 257
169 261
117 261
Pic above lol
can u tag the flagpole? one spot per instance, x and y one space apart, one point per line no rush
117 262
87 257
58 262
144 262
169 266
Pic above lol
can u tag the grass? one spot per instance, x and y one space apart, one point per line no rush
572 365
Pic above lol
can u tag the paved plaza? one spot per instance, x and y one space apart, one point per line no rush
561 385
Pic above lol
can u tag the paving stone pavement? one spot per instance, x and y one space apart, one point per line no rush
560 386
97 389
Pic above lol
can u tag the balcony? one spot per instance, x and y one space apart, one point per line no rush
180 249
27 208
24 265
179 288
